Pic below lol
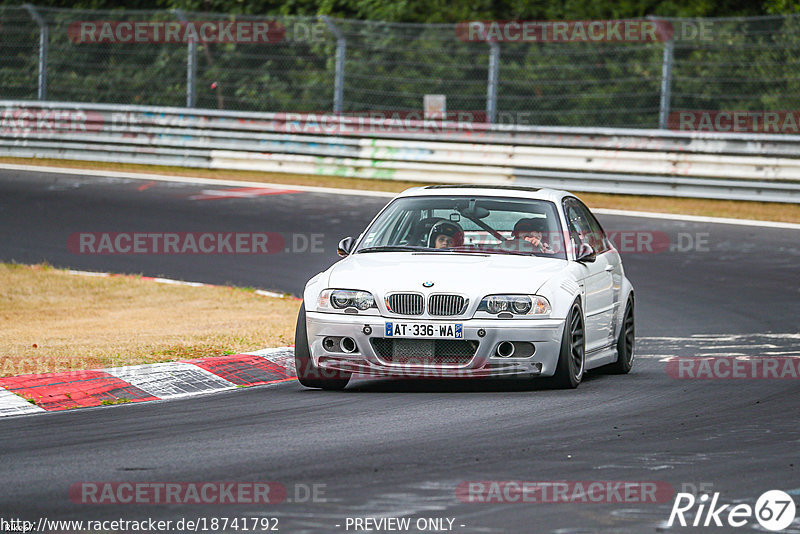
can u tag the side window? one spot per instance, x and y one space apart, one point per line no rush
600 243
583 227
574 225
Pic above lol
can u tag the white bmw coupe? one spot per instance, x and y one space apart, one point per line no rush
470 281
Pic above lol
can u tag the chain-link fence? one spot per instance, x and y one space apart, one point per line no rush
498 74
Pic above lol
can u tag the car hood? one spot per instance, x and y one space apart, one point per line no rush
469 274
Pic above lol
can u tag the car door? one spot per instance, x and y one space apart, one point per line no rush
598 283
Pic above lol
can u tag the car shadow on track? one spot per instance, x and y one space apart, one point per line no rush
462 385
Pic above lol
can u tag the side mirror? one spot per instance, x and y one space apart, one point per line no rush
586 254
345 246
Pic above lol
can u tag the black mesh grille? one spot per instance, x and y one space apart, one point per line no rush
425 351
443 305
406 303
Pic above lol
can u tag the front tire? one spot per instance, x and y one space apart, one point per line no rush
572 358
308 374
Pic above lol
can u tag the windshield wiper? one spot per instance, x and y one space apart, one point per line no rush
512 252
392 248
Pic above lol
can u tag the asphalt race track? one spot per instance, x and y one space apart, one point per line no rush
385 448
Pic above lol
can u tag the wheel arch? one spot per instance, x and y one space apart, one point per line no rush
626 293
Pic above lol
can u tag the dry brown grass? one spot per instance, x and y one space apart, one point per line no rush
765 211
53 321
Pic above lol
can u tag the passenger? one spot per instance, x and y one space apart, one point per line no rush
446 234
532 230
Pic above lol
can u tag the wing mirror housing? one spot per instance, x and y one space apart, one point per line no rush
586 254
345 246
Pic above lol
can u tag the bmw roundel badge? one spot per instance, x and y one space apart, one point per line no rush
427 284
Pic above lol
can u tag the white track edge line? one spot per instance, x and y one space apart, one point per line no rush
383 194
194 180
170 281
696 218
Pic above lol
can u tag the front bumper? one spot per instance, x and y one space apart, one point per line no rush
544 334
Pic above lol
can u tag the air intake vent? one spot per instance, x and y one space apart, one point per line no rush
432 352
406 303
444 305
569 286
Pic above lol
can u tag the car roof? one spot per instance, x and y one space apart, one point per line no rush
518 191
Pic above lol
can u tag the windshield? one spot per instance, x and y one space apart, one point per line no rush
467 224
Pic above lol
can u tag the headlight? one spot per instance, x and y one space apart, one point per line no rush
339 299
515 304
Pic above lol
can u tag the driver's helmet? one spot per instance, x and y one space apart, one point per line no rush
529 225
449 229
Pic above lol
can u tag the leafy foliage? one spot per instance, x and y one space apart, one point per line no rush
743 64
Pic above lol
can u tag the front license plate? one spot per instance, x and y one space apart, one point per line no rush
425 330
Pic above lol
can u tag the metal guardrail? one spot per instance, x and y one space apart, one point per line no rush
653 162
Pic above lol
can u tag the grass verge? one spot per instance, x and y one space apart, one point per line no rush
765 211
52 321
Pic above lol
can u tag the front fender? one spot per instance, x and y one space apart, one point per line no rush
313 289
561 291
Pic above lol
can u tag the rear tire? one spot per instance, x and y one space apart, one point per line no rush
308 374
625 343
572 358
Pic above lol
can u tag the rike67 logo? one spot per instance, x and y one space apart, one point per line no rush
774 510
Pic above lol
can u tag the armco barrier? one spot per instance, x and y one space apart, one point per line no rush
656 162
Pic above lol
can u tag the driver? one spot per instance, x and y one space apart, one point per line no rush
446 234
532 230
